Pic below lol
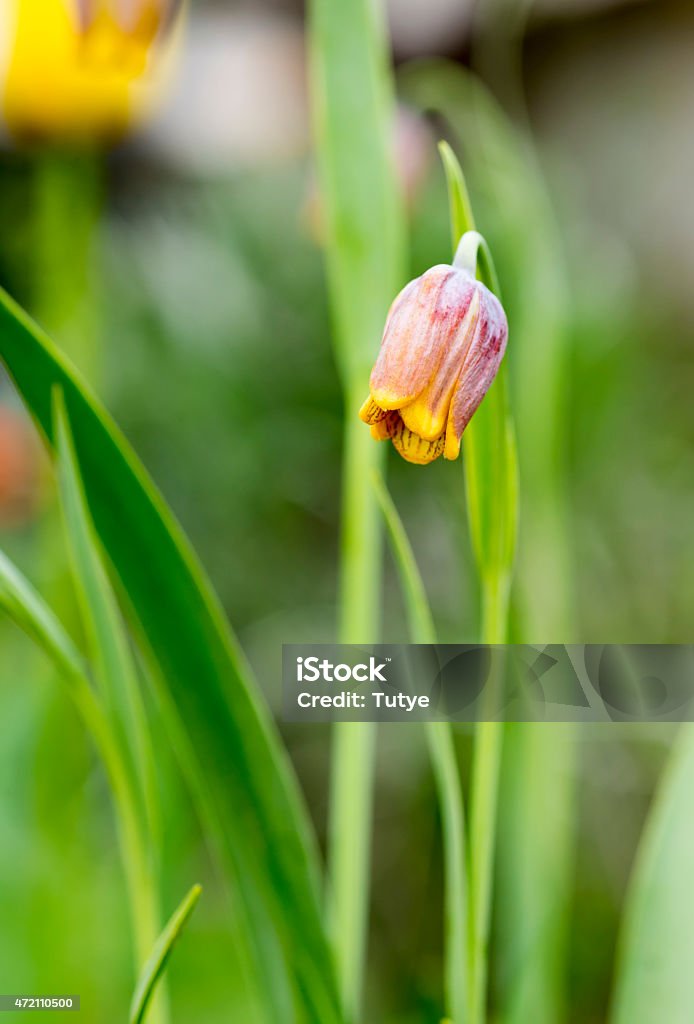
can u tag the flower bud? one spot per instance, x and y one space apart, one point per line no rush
444 339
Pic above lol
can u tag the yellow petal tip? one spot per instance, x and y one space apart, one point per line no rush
370 412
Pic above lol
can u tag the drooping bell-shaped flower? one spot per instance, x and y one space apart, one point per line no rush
81 70
444 339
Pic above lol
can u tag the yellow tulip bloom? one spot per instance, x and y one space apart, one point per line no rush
79 70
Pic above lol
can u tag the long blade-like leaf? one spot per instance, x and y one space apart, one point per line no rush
115 670
655 981
223 734
108 646
155 965
490 461
491 476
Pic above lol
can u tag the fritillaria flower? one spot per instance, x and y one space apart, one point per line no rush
81 70
443 342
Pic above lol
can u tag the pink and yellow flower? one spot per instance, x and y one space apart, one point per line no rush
444 339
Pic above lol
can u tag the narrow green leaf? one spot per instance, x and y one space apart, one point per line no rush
221 728
419 617
154 968
115 671
445 767
460 212
654 981
491 475
22 603
26 608
490 461
109 649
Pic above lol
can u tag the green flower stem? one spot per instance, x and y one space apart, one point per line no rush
67 204
353 749
484 796
361 542
456 879
349 848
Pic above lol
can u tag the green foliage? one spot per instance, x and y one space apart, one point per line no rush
115 673
419 618
511 194
446 774
491 469
219 725
108 647
491 475
26 608
156 963
654 975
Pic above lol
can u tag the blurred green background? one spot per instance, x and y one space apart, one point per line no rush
189 287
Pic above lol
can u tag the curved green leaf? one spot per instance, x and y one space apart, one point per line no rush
223 734
28 610
154 968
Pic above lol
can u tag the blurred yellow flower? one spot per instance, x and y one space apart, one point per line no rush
81 70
